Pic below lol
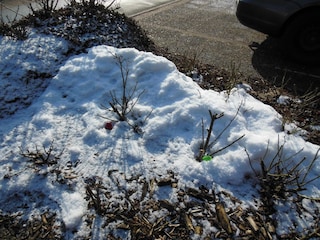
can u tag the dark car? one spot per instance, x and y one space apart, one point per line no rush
295 22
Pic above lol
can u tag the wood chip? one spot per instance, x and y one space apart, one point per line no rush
144 190
166 204
188 222
152 187
44 219
252 224
198 230
223 218
265 233
165 182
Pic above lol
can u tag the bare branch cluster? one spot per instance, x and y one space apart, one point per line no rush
46 156
284 175
12 27
94 3
14 30
123 105
206 144
44 7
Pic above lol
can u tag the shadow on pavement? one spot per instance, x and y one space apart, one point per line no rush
274 67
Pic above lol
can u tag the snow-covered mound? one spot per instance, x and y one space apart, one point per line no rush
170 112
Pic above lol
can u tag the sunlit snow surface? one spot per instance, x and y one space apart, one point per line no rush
170 111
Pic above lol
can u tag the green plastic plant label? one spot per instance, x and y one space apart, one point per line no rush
206 158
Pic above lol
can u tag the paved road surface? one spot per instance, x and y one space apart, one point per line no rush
210 30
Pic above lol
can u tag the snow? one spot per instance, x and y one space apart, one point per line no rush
73 207
24 60
169 111
131 7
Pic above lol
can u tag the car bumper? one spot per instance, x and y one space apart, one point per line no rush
266 16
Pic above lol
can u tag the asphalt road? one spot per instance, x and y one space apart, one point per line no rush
211 33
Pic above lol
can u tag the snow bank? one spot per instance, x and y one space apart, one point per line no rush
170 113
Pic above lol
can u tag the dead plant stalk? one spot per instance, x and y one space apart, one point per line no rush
123 106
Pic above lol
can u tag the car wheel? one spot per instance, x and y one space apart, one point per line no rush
301 38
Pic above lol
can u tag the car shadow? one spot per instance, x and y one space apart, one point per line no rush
269 61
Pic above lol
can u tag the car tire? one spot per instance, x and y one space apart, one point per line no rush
301 38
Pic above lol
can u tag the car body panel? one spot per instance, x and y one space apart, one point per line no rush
307 3
295 22
267 16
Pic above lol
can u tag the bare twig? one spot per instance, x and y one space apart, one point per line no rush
227 126
206 143
284 175
129 98
45 7
228 145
